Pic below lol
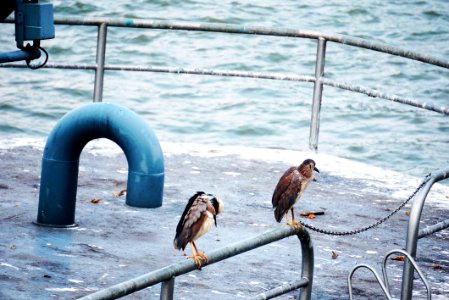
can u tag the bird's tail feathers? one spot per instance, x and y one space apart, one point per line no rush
178 244
278 214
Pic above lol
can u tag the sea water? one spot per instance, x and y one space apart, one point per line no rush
252 113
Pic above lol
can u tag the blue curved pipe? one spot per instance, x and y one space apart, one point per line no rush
59 175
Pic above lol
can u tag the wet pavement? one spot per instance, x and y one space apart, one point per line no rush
114 242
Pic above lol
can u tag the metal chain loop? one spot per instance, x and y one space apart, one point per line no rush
380 221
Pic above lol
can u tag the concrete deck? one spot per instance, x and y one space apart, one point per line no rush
114 242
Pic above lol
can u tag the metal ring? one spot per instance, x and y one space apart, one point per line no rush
39 65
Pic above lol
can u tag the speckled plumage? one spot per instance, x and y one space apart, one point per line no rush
197 219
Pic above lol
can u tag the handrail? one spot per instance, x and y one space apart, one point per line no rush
281 290
258 75
167 274
413 229
319 80
257 30
434 228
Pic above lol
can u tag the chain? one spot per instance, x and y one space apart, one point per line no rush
380 221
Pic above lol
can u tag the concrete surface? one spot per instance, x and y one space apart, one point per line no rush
114 242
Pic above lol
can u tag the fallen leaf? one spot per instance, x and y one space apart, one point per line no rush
47 276
334 255
407 213
95 200
306 213
398 258
118 194
311 216
12 246
437 267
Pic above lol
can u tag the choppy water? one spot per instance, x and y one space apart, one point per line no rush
249 112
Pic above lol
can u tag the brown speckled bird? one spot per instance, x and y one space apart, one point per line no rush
289 188
197 219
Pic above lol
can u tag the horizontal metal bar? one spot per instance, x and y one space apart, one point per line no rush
186 266
441 174
258 75
194 71
280 290
377 94
434 228
174 70
256 30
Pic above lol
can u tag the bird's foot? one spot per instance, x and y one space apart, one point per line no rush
203 256
198 258
296 225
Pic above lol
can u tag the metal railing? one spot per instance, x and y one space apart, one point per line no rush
384 284
413 233
167 275
318 79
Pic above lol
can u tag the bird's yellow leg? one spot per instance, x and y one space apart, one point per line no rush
292 222
295 224
195 256
200 254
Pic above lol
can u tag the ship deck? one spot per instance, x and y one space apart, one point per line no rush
114 242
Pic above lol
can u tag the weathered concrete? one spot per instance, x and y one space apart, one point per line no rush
115 242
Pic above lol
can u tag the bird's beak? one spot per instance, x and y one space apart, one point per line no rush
316 169
215 220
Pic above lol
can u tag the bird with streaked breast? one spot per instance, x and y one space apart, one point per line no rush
199 215
289 189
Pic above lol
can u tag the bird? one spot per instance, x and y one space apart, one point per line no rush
289 189
199 215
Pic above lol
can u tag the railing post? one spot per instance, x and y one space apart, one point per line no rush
413 229
412 240
307 264
167 289
99 71
317 94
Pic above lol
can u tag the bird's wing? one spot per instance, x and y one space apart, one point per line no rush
186 210
283 185
288 198
291 188
192 218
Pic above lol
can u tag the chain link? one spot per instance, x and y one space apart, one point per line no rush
380 221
